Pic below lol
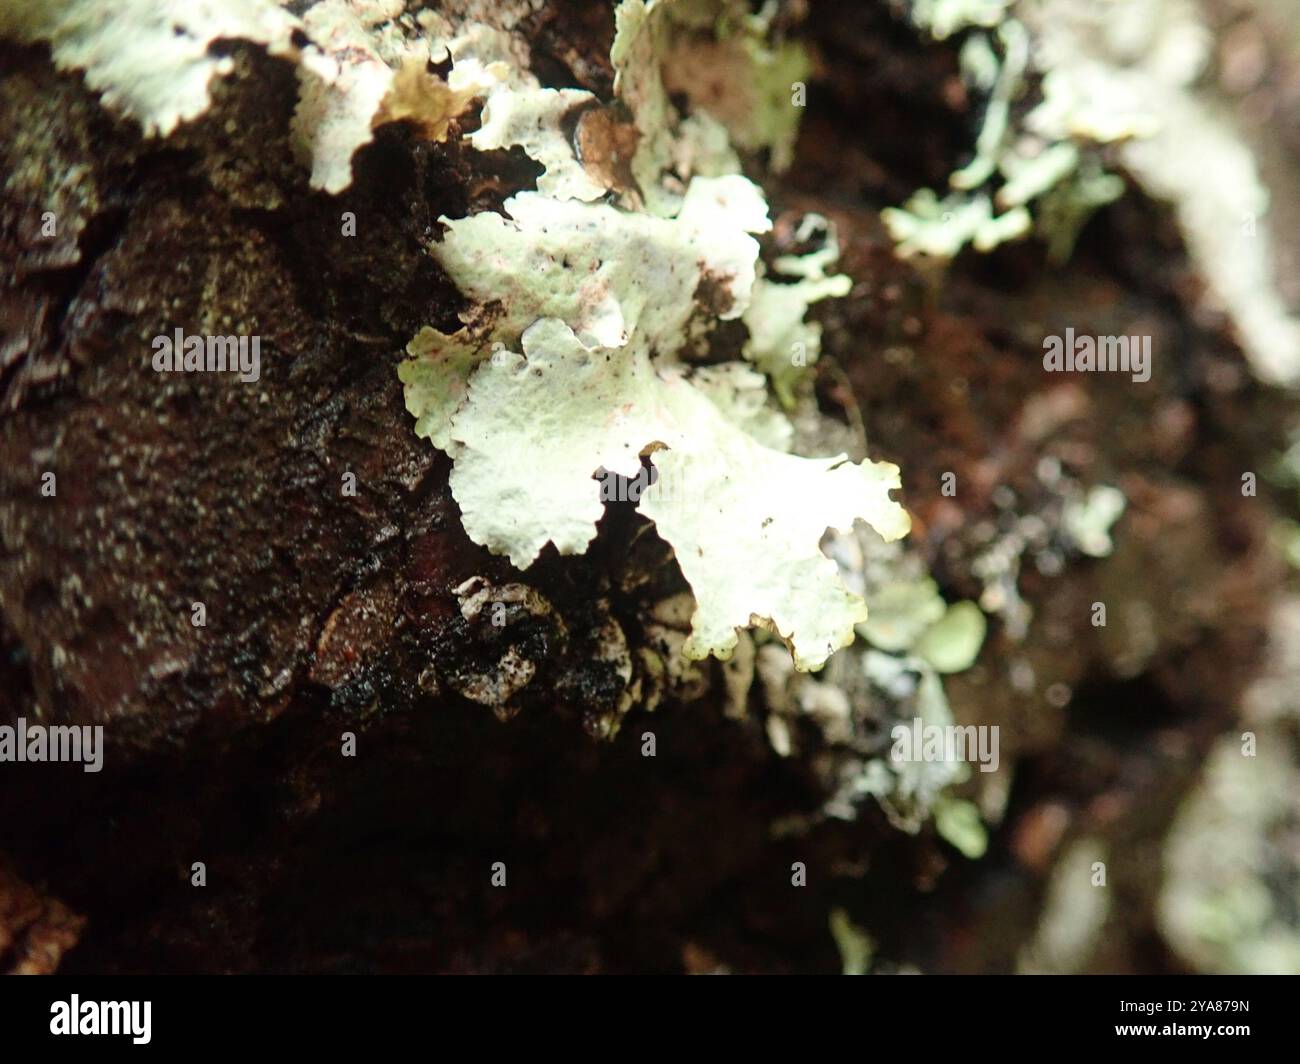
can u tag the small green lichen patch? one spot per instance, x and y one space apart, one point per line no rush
953 642
781 343
959 822
720 57
747 522
910 615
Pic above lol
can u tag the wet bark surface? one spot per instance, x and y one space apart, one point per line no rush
329 613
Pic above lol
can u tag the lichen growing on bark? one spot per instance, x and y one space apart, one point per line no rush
592 310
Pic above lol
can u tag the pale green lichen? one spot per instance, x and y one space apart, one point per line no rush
1087 521
149 58
1075 912
594 388
925 637
953 642
747 523
611 274
572 357
1139 77
572 365
1230 894
908 789
855 945
634 55
901 611
958 822
893 675
910 616
782 343
867 690
436 379
1127 75
946 17
360 63
720 56
1015 165
519 112
739 86
941 228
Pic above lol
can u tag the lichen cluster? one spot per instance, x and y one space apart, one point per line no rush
1069 88
590 296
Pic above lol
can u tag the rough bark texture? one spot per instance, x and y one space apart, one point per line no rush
329 613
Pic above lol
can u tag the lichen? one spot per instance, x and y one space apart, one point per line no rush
720 56
360 64
909 615
572 365
1136 80
149 58
1123 76
1230 895
782 343
894 674
1027 175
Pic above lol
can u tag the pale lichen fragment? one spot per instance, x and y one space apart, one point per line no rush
149 58
569 411
638 82
747 537
365 68
604 271
941 228
909 615
718 55
1016 163
1087 521
436 380
745 520
739 87
781 343
519 112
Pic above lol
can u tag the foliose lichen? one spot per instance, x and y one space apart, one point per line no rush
574 363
